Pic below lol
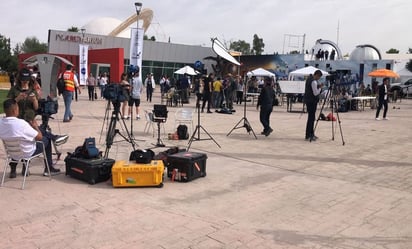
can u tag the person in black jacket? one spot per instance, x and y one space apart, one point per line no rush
265 101
383 99
311 98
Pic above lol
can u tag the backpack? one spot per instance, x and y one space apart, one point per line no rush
61 85
88 150
182 132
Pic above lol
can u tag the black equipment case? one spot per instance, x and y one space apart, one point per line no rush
89 170
186 166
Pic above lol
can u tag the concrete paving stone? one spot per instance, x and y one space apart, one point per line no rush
278 191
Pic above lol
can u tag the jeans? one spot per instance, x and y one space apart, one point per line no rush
67 97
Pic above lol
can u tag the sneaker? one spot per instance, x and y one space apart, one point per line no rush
71 116
377 119
385 118
138 117
125 117
53 172
66 121
61 139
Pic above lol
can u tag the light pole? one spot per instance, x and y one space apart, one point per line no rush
138 7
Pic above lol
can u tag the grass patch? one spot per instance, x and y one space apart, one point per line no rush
3 96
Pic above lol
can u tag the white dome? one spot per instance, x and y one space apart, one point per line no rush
105 25
365 52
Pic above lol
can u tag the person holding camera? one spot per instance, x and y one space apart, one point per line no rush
135 94
311 97
27 99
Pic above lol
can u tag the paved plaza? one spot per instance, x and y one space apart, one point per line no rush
278 191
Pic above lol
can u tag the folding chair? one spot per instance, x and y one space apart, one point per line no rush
150 123
14 153
184 116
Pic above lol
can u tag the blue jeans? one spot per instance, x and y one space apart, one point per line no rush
67 97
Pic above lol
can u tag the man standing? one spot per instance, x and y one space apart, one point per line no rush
91 84
70 82
312 91
383 99
265 101
12 127
136 92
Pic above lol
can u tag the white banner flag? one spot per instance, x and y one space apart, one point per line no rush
83 61
136 48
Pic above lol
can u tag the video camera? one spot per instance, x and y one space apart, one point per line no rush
47 106
132 70
114 92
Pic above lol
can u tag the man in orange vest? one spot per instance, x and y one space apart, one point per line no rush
71 82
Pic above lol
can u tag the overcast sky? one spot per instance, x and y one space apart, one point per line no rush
382 23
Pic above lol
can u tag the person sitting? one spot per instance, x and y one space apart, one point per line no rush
13 127
27 97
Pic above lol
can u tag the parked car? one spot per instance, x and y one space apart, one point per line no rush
401 89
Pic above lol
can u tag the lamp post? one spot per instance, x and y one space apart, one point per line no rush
138 7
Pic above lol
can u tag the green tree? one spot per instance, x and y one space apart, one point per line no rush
73 29
392 51
240 46
258 45
32 45
8 62
409 65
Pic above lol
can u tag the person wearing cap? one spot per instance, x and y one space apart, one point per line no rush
265 101
311 97
26 96
71 82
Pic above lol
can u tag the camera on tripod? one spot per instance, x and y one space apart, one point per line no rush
331 78
47 106
114 93
160 113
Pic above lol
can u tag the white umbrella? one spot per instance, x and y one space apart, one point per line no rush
186 70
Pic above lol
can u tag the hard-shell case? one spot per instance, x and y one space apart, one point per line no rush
131 174
186 166
89 170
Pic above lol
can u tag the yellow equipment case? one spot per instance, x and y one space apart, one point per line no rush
131 174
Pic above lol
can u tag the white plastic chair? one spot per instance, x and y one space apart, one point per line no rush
14 153
184 116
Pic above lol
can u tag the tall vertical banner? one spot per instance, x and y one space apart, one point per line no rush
136 48
83 60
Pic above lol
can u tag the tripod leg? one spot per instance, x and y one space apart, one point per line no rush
210 136
236 126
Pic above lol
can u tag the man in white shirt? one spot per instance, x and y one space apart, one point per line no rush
12 127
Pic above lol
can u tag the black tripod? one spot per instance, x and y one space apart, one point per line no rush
159 141
45 127
245 124
332 99
198 127
112 131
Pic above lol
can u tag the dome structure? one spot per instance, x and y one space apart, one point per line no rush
114 27
326 45
102 25
365 52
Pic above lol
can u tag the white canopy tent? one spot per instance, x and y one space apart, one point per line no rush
261 72
186 70
305 72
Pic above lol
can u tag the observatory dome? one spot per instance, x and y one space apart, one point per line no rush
365 52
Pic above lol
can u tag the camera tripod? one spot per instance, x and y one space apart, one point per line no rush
112 131
245 124
332 99
197 130
44 126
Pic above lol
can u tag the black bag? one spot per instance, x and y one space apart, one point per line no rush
142 156
182 132
89 170
61 85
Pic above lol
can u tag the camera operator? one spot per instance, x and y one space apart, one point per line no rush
27 99
312 91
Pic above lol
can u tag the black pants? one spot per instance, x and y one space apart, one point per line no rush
383 103
206 98
311 107
90 90
264 116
